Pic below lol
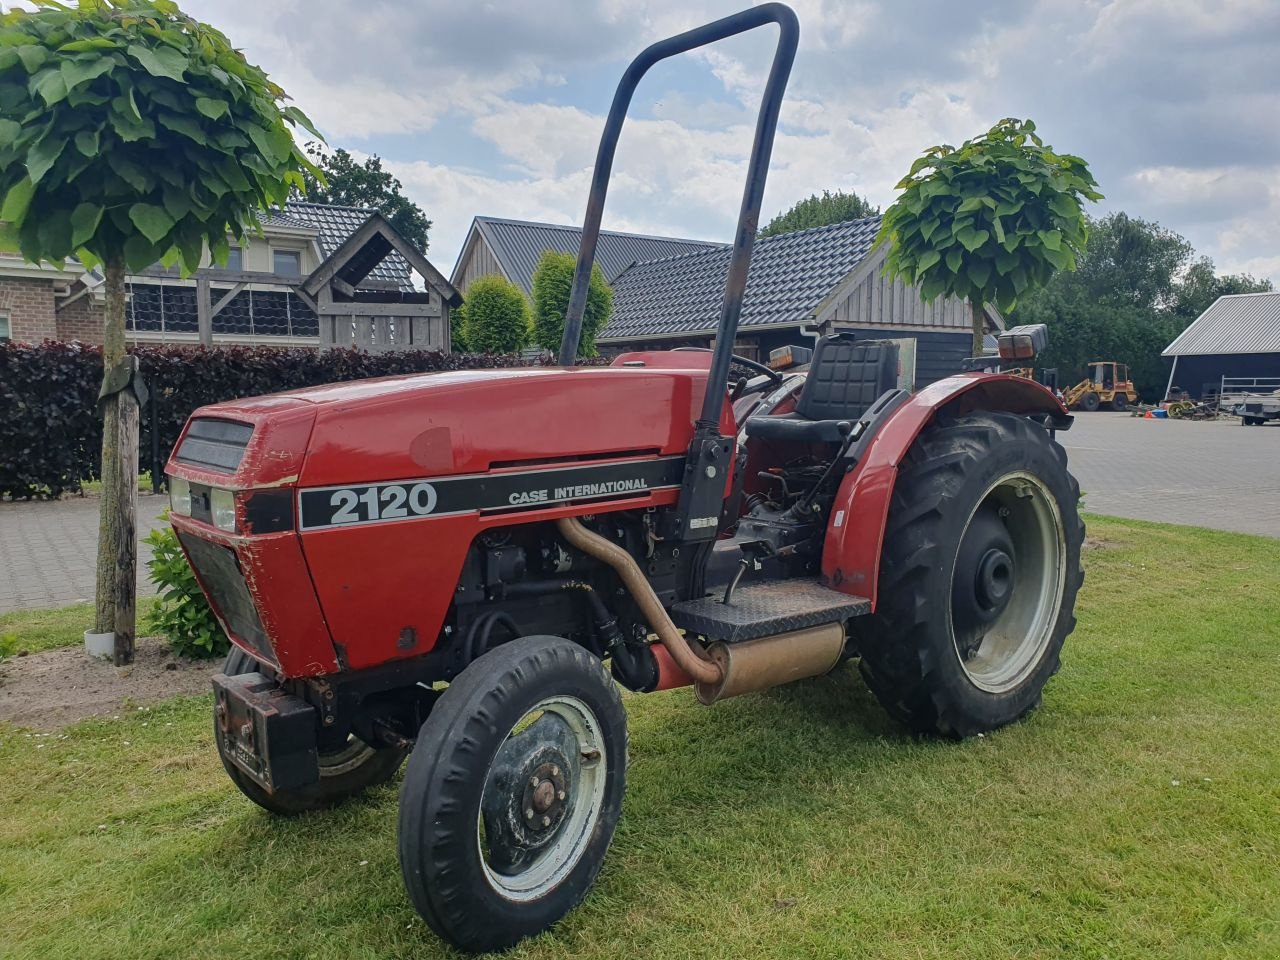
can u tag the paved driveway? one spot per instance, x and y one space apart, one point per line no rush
1209 474
48 550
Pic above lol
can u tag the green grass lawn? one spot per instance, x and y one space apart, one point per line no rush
36 630
1136 814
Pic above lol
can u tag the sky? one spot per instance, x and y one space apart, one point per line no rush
495 106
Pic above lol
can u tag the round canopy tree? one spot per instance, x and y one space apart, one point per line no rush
131 134
988 221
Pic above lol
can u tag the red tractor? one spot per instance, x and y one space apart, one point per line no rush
461 568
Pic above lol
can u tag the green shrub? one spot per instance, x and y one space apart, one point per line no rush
495 316
552 285
181 612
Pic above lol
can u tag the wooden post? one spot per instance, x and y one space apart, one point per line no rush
979 329
204 311
117 547
126 558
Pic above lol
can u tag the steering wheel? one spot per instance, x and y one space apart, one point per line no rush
774 376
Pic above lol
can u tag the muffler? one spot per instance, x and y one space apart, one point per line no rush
771 661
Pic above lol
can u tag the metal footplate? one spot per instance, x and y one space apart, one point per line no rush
768 608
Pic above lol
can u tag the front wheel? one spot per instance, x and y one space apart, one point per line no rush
978 577
346 769
1090 402
512 793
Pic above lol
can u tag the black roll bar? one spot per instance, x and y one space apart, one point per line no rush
752 194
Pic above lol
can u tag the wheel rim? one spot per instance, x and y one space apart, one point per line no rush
1007 582
350 756
542 797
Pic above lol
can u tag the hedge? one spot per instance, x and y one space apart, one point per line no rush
50 435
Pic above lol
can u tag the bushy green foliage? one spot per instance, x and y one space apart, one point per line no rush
820 211
552 285
352 183
494 318
49 435
990 221
1137 286
181 611
131 132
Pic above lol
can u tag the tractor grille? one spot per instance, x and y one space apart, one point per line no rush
215 444
220 574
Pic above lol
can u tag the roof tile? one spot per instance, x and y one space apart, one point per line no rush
790 275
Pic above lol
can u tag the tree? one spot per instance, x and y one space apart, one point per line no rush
1201 286
130 134
495 316
355 184
552 284
820 211
990 221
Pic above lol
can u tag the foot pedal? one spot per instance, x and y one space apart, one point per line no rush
767 608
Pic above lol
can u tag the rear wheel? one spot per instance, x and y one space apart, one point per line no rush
346 768
1119 401
978 577
512 793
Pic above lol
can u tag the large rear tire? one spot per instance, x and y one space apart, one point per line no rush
512 793
344 772
978 577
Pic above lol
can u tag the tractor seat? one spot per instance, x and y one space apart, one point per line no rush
846 377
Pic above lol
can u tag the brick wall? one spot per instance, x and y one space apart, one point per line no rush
29 306
81 321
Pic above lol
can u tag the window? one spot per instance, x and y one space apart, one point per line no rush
4 328
235 260
264 313
287 263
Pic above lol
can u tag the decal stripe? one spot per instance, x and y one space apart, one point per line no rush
360 504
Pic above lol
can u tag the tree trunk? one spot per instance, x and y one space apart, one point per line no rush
979 327
117 545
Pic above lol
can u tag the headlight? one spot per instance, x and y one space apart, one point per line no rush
222 504
180 496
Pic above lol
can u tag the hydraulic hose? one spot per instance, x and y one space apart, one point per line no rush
628 571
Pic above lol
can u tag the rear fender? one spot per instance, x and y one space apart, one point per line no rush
855 532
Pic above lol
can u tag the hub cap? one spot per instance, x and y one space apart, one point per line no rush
541 799
1007 582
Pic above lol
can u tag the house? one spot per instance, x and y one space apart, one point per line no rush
318 275
1231 348
802 285
512 249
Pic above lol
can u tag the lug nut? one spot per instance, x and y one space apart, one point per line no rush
546 821
528 814
555 771
534 781
560 795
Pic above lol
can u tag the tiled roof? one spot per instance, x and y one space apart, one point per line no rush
1237 323
790 275
335 224
518 245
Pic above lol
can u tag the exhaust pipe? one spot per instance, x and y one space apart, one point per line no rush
701 671
755 665
728 669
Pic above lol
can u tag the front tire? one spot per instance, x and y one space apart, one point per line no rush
512 793
345 771
1090 402
978 577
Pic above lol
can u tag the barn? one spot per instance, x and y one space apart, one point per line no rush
1231 348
